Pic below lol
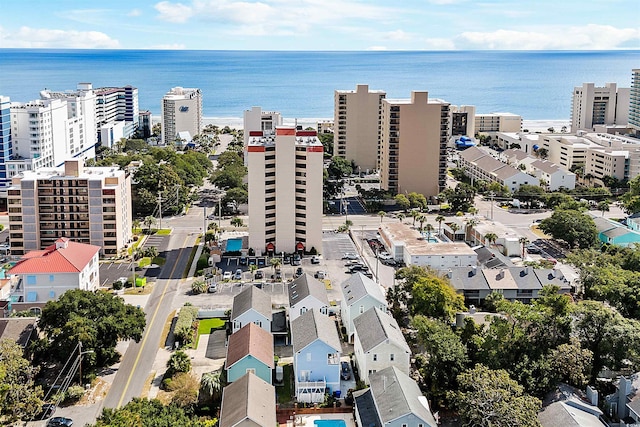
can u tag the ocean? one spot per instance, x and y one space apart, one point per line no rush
534 84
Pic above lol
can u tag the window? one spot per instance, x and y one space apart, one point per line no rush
375 357
308 357
391 357
31 280
251 371
258 323
361 309
51 278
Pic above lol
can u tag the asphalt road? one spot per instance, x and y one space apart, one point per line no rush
137 362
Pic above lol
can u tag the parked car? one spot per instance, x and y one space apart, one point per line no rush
533 249
243 260
238 274
212 288
278 276
368 274
299 272
261 262
296 260
315 259
384 255
345 372
227 275
320 275
252 261
389 262
259 275
349 255
60 422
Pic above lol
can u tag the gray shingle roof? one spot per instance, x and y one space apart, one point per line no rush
366 408
467 278
547 276
525 278
359 286
18 329
472 153
374 327
603 224
617 232
396 395
251 298
313 325
248 398
304 286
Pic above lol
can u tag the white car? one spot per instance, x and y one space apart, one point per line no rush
384 255
227 275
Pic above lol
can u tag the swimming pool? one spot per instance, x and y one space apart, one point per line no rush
234 245
330 423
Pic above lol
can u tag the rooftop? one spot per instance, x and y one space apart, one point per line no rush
65 256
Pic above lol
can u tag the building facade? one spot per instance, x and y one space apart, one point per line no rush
181 110
591 105
6 147
256 119
498 122
634 101
413 145
117 105
463 120
87 205
357 125
285 191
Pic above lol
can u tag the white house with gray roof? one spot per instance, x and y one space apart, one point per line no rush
306 293
251 306
316 356
379 343
359 294
248 401
392 400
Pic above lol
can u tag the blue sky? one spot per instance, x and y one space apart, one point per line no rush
322 24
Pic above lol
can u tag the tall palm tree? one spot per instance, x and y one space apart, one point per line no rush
252 269
603 206
414 214
381 214
421 219
429 228
148 222
212 383
136 224
275 263
523 241
471 222
491 238
440 219
454 227
401 216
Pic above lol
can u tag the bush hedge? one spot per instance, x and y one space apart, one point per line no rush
183 329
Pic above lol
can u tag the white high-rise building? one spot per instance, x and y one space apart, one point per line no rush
181 111
634 101
116 107
55 128
591 105
256 119
285 191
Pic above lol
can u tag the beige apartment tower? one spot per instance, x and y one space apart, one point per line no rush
413 149
285 191
87 205
181 111
357 125
591 105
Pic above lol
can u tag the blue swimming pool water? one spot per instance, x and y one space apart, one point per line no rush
330 423
234 245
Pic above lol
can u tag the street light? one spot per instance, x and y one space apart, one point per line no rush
80 358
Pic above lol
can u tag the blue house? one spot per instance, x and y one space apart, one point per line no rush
250 350
316 356
615 233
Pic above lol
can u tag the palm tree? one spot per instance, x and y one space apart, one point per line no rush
454 227
440 219
237 222
275 263
524 242
252 269
198 287
148 222
211 383
136 224
381 214
414 214
473 211
429 228
603 206
401 216
421 220
471 222
491 238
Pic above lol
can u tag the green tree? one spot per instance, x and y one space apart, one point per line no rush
236 195
572 363
417 200
490 398
148 413
603 206
434 297
98 319
198 287
339 168
381 214
491 238
440 219
237 222
402 202
211 384
575 228
275 263
20 398
149 221
460 199
179 362
530 194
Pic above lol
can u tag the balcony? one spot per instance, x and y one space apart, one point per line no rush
310 391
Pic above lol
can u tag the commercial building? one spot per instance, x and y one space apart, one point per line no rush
413 144
48 131
285 191
498 122
591 105
6 147
357 126
116 106
87 205
145 123
634 101
181 111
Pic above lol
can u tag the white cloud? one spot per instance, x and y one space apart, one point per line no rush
27 37
135 12
589 37
177 13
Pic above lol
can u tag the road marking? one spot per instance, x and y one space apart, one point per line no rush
153 318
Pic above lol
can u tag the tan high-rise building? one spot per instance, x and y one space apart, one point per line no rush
591 105
285 191
357 125
413 149
88 205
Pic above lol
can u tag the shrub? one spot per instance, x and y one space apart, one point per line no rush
184 324
117 285
203 262
74 393
179 362
313 251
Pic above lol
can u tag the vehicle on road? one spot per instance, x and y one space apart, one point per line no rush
384 255
315 259
349 255
389 262
60 422
533 249
345 372
320 275
212 289
238 274
296 260
259 275
227 275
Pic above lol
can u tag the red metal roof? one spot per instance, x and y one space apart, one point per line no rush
65 256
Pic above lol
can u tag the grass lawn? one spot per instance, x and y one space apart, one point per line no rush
139 290
144 261
158 261
207 325
163 232
285 391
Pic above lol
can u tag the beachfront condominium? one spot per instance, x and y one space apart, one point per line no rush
591 106
634 102
285 191
52 129
498 122
181 111
463 120
357 126
85 204
116 113
5 146
257 120
413 149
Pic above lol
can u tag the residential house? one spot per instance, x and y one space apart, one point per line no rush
379 343
250 350
316 356
625 402
469 281
392 400
248 402
478 164
553 175
359 294
20 330
251 306
306 293
615 233
567 406
44 275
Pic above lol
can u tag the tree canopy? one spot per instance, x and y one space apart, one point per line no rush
20 398
98 319
150 413
574 227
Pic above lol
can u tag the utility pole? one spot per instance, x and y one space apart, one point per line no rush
160 202
491 194
204 229
80 364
